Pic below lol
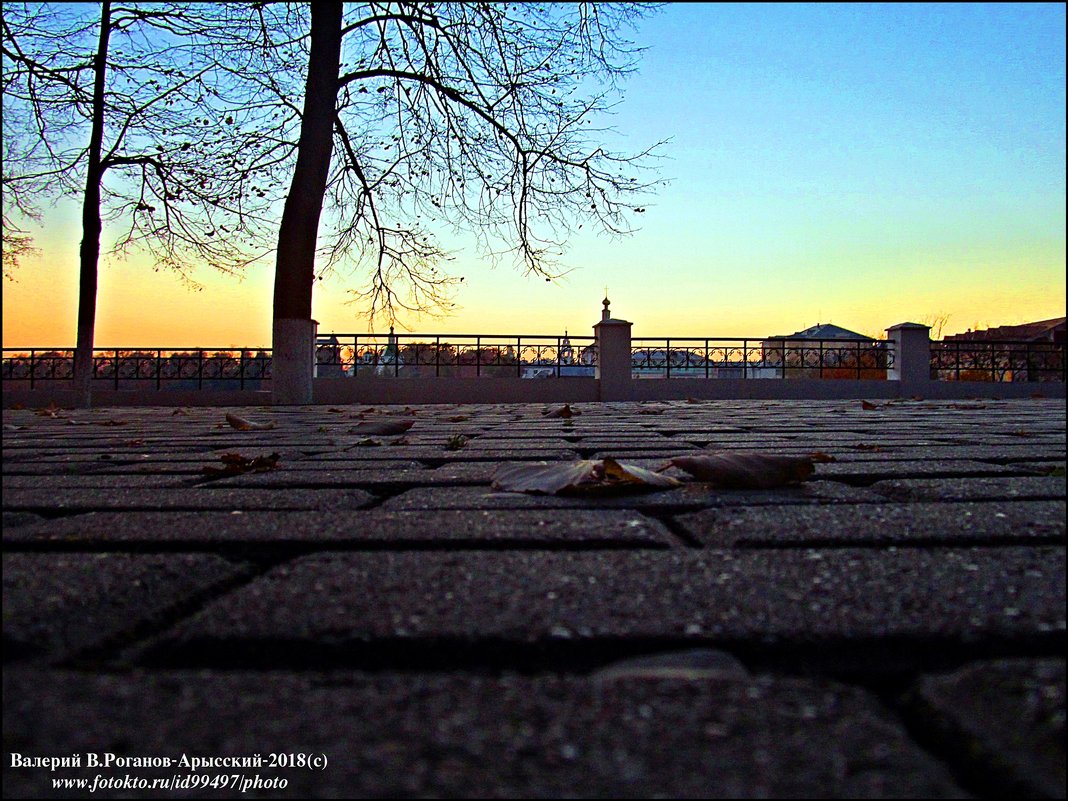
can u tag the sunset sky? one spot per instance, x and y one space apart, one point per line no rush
861 165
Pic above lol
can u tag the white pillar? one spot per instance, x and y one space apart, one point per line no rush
613 357
912 357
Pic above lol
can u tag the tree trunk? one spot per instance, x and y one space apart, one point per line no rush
91 225
294 330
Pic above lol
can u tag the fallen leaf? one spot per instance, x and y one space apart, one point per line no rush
11 427
745 470
133 443
546 478
650 411
72 422
458 418
241 424
967 406
692 400
49 411
586 476
367 442
563 411
179 411
632 474
399 441
383 427
339 411
820 456
861 446
111 422
865 405
1021 433
234 464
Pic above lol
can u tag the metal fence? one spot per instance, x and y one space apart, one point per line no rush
717 357
455 355
997 360
136 368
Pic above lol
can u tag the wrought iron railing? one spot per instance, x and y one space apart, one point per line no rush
714 357
455 355
997 360
135 368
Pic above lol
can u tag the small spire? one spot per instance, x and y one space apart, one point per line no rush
605 314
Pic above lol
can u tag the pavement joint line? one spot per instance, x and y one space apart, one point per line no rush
880 664
91 656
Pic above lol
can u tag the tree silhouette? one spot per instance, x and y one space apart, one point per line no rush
135 109
421 117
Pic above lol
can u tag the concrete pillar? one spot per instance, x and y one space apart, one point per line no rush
613 357
293 361
912 357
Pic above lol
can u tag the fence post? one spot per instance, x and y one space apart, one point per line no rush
912 358
613 356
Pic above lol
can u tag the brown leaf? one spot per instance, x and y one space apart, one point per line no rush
586 476
367 442
564 411
745 470
111 422
134 443
820 456
49 411
650 411
693 400
339 411
544 477
632 474
241 424
458 418
234 464
382 427
865 405
863 446
179 411
1021 433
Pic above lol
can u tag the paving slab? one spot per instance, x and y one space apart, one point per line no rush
525 597
333 529
971 489
1005 719
201 497
499 737
58 604
694 496
878 524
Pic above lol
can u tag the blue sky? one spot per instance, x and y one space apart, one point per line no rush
856 164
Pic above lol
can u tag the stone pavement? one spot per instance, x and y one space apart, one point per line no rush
893 627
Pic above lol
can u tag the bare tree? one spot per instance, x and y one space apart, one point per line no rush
135 109
421 117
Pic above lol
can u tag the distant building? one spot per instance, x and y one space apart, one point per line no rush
826 351
1042 331
1027 352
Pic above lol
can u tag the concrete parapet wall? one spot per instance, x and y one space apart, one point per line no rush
454 390
42 396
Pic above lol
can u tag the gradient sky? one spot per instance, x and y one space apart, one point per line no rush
856 164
